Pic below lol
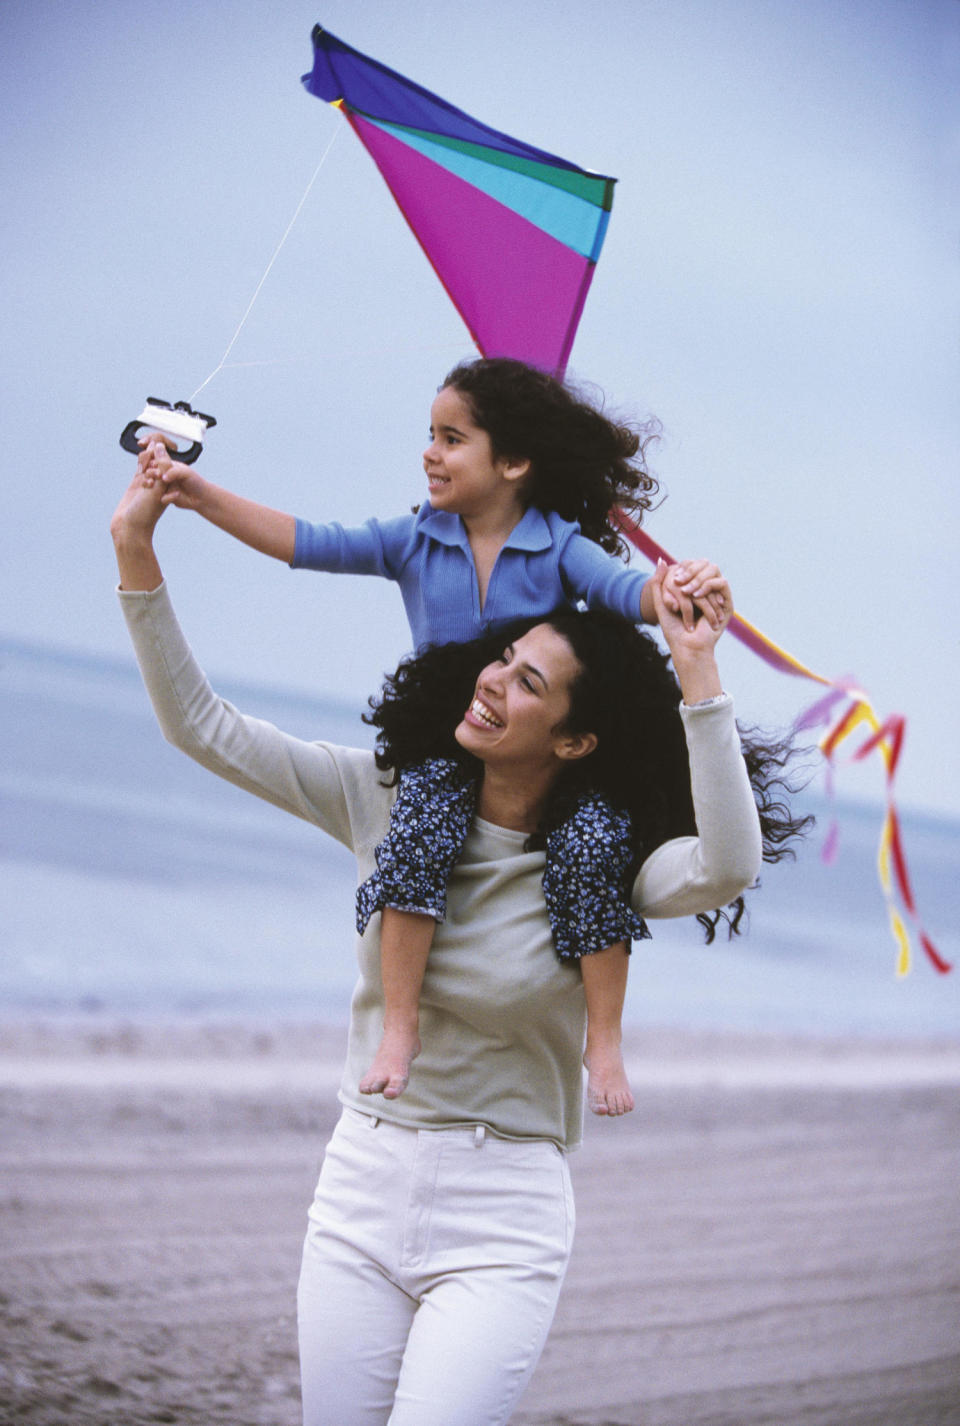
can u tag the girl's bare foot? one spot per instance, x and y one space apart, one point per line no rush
608 1090
389 1074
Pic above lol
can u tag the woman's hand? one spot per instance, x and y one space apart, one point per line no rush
692 647
132 527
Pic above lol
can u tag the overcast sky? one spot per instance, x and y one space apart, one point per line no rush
778 286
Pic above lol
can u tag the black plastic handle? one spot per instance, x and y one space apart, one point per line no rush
128 439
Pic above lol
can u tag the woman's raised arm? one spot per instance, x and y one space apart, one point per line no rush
336 788
692 649
690 875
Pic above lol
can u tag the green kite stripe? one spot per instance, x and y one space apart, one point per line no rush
567 217
593 188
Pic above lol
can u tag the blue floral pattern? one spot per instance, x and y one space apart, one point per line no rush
429 823
585 882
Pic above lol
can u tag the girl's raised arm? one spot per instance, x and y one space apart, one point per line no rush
270 531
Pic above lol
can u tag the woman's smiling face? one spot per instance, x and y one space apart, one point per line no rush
521 704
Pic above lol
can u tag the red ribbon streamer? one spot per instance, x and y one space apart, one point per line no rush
886 737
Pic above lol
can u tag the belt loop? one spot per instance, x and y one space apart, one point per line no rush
374 1120
479 1134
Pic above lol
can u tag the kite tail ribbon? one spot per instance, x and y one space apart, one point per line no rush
885 738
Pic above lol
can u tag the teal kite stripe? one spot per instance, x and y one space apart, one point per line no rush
593 187
565 216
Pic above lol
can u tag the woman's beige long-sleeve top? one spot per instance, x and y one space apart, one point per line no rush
501 1020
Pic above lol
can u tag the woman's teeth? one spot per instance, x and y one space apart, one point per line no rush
479 710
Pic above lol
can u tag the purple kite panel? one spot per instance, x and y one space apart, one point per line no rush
340 72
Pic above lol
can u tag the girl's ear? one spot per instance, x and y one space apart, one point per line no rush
513 468
580 745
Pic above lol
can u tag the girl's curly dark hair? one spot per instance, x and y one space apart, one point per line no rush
583 464
625 693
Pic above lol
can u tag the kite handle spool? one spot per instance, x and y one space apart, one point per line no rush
177 420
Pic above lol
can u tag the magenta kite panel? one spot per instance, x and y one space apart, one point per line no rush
519 290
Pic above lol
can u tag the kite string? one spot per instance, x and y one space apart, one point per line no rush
232 342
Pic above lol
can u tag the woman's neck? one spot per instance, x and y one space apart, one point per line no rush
507 801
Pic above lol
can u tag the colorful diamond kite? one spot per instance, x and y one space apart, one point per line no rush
512 232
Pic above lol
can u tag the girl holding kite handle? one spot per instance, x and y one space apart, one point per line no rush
442 1222
524 477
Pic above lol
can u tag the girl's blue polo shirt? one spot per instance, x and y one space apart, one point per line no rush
544 563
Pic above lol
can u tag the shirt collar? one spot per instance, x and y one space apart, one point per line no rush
530 533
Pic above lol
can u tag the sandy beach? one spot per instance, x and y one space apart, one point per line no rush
772 1237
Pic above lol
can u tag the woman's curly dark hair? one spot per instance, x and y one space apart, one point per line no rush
627 694
583 464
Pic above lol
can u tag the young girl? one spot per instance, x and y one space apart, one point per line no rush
523 477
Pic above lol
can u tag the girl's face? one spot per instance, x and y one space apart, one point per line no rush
520 705
463 475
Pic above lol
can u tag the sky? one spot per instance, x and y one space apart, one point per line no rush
778 287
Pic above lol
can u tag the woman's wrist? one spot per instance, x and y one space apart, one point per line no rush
131 528
129 537
707 702
137 562
699 678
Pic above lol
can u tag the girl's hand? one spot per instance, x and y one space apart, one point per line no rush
179 484
700 583
692 647
151 447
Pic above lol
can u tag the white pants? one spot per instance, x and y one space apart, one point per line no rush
431 1271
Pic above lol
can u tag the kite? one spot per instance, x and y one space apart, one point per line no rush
512 232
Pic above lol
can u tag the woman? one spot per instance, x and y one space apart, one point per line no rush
443 1222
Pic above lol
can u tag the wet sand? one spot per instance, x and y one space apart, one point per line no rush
772 1237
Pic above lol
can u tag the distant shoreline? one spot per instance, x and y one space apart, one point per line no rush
260 1053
